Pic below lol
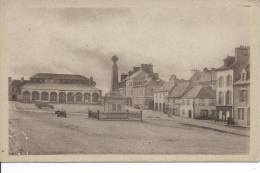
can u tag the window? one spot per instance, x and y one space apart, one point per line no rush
241 113
243 76
202 102
183 112
220 98
188 102
229 80
95 97
220 81
45 96
119 107
228 97
78 97
243 95
35 95
70 97
113 107
53 96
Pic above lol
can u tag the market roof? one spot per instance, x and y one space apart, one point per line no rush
201 92
59 76
179 89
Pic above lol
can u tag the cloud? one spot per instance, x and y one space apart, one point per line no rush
83 40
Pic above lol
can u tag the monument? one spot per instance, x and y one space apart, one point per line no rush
114 101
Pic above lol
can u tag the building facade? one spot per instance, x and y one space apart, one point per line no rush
60 88
227 75
242 99
139 86
175 97
198 103
161 103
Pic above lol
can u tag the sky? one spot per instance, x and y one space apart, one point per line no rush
175 39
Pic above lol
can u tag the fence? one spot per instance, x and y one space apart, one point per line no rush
92 114
128 115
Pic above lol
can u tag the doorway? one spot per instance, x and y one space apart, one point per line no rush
190 114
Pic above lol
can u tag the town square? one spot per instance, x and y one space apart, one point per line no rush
124 80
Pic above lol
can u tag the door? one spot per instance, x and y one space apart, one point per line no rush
190 114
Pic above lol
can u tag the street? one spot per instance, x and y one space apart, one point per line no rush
44 133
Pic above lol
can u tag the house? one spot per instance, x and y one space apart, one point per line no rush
140 85
242 98
14 88
227 75
161 95
198 102
175 95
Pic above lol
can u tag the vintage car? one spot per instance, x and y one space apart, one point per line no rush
61 113
40 105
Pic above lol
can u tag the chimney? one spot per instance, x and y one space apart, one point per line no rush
242 54
148 68
135 69
22 79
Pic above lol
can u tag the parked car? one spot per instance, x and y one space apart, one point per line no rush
136 106
40 105
61 114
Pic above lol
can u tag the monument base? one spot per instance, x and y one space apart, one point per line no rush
114 102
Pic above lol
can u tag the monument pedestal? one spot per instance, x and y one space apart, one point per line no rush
114 102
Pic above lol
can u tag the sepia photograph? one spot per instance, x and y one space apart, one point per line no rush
164 79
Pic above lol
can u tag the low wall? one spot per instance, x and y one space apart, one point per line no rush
115 115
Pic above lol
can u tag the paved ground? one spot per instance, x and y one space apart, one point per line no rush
44 133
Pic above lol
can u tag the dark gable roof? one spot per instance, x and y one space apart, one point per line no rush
179 89
200 92
58 76
17 83
203 76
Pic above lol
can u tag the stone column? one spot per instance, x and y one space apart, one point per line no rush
114 80
82 99
90 98
74 98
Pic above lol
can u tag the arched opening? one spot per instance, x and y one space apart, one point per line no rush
95 97
62 97
70 97
87 98
35 95
53 97
26 97
45 96
78 98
